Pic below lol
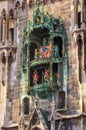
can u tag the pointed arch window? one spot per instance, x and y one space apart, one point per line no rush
24 3
3 26
26 105
79 19
79 44
17 4
11 27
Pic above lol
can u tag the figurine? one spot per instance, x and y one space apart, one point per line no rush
36 53
46 75
56 51
35 77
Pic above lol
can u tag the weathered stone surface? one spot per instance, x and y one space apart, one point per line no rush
76 91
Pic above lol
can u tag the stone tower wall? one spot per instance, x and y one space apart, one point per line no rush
74 89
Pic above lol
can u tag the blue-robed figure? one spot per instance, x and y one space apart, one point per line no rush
56 51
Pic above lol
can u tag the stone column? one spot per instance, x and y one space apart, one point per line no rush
83 13
75 13
6 117
0 30
7 67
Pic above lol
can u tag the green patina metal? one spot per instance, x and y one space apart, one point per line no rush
42 26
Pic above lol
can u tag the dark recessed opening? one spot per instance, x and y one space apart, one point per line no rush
26 106
79 19
39 73
58 44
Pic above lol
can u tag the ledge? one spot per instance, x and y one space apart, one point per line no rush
9 126
8 47
44 61
79 30
70 116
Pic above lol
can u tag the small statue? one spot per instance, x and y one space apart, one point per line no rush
36 53
46 75
35 77
56 51
44 42
38 19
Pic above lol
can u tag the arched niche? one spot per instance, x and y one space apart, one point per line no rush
24 3
80 54
17 4
26 105
3 57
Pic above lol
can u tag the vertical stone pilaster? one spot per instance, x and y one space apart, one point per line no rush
75 12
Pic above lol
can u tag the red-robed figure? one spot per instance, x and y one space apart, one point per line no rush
35 77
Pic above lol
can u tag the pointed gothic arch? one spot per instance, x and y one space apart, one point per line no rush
26 105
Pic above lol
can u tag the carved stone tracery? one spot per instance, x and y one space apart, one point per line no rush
35 119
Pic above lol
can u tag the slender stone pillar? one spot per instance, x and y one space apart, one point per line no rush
83 13
53 114
75 12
